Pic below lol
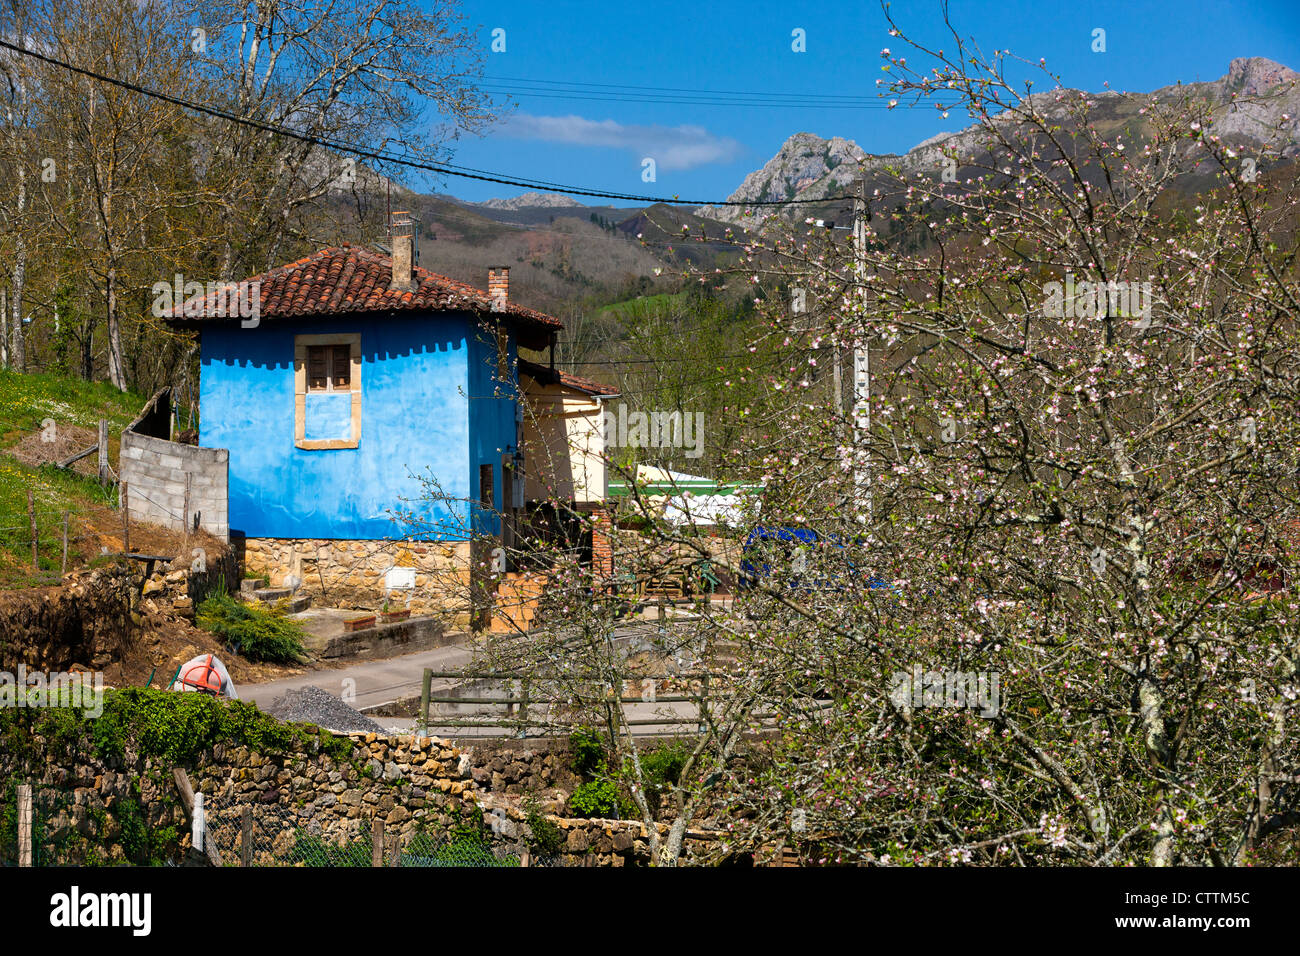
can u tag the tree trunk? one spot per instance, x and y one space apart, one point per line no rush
116 365
17 357
1150 699
4 328
673 848
18 351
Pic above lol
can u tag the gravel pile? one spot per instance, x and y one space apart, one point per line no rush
311 705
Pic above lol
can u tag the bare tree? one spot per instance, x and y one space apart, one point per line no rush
1042 624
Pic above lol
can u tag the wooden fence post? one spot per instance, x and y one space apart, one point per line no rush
198 824
377 842
425 691
523 709
103 451
246 839
31 516
185 541
126 518
25 824
188 801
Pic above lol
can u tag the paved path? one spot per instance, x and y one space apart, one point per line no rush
374 682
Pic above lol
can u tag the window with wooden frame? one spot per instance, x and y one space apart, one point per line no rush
327 391
329 368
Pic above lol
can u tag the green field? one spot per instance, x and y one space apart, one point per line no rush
26 401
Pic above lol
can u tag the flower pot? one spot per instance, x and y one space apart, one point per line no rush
390 616
359 623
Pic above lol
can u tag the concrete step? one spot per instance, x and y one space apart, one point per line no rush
293 603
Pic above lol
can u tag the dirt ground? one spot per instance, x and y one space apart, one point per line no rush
166 641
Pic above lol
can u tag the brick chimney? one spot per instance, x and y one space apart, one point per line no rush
602 548
405 252
499 287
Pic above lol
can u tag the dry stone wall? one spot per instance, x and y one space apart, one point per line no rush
317 784
340 573
88 621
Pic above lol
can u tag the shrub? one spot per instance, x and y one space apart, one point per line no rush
259 633
588 752
546 839
661 768
142 844
600 798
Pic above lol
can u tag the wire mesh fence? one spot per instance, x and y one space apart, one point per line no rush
276 835
64 828
46 804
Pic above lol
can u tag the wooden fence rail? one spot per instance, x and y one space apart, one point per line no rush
527 699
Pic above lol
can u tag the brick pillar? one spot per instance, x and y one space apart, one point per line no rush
499 287
404 238
602 548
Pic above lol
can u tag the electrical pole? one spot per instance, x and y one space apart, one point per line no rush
861 362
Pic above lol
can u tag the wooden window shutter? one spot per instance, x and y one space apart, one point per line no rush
342 366
317 372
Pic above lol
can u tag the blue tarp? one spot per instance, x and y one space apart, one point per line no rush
800 536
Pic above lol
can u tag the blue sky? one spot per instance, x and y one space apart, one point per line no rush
703 151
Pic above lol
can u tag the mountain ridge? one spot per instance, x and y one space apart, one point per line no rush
808 166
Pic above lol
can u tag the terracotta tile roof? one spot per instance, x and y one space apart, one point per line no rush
350 279
587 385
545 374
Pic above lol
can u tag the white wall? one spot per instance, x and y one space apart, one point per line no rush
563 444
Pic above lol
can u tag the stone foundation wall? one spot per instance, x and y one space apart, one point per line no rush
330 789
181 587
352 573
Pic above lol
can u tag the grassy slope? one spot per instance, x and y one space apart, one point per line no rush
25 402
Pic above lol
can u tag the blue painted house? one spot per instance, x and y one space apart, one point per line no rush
358 373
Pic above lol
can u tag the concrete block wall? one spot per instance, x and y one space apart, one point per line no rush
154 471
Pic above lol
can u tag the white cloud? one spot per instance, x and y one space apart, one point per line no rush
671 147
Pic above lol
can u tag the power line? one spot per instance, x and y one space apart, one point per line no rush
445 169
679 101
618 92
757 369
680 240
818 348
672 89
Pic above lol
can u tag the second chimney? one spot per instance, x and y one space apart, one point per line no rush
404 252
499 287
